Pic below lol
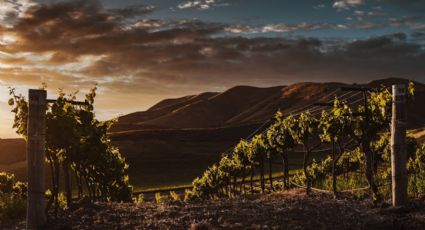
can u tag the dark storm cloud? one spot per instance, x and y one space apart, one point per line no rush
183 56
60 27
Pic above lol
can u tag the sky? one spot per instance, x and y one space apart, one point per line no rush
139 52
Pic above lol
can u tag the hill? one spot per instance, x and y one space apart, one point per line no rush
12 151
243 105
177 139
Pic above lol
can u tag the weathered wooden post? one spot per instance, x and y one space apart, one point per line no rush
398 145
35 156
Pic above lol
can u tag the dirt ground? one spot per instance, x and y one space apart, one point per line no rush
280 210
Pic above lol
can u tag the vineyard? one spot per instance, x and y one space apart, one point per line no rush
344 140
356 131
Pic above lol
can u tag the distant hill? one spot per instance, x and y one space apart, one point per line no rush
242 105
12 151
175 140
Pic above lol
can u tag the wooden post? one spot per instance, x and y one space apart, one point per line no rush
398 146
35 158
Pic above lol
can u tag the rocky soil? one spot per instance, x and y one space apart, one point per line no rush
280 210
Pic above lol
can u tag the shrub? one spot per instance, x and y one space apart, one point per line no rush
12 198
12 207
6 182
20 188
416 171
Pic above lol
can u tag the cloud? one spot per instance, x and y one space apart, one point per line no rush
93 44
132 11
278 28
413 22
201 4
347 4
367 25
300 27
76 44
12 10
418 35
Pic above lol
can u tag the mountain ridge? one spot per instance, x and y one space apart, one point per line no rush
238 105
